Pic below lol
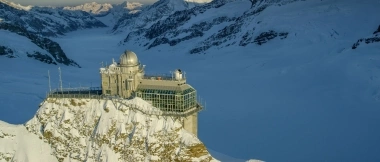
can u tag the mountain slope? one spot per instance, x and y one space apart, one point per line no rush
38 23
45 45
100 130
215 21
47 21
151 14
218 25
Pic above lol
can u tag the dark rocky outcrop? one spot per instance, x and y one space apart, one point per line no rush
47 44
42 57
227 33
5 51
377 31
373 39
267 36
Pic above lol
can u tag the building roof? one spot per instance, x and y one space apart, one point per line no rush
185 88
129 58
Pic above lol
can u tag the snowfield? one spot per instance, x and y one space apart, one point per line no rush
308 97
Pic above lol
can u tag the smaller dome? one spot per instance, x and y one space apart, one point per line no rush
129 58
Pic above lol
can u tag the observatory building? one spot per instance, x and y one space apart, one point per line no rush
170 93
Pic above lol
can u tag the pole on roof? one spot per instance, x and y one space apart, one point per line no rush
49 81
60 77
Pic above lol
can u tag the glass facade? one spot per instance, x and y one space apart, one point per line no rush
170 100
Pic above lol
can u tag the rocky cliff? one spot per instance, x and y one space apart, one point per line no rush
100 130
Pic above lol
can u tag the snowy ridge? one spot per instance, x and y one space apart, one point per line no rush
93 7
101 10
16 5
106 130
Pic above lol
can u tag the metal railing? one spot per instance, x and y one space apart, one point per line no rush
169 77
134 107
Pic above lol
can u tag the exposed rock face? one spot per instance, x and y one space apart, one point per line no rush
42 57
5 51
106 130
148 16
374 38
184 25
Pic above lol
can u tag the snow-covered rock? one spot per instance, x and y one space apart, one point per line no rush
105 130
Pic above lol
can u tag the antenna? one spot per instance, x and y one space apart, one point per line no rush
60 77
49 80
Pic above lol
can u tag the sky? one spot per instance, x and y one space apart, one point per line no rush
72 2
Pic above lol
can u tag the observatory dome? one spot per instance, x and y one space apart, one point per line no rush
129 58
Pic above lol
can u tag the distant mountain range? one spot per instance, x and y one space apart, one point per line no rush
38 24
97 9
166 22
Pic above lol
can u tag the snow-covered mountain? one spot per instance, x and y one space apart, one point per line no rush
97 9
19 43
213 23
99 130
37 24
93 8
214 26
283 80
151 14
47 21
16 5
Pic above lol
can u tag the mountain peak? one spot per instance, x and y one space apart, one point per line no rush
16 5
105 8
92 7
110 130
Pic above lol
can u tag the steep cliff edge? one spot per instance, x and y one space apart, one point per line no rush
100 130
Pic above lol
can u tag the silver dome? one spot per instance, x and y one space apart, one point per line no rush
129 58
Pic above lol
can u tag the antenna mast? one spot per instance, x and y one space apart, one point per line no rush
60 77
49 80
